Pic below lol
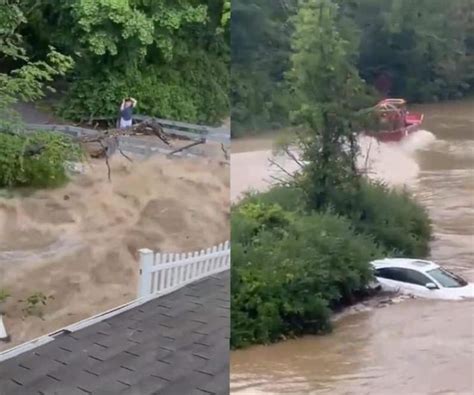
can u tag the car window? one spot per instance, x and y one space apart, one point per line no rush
390 273
447 279
414 277
403 275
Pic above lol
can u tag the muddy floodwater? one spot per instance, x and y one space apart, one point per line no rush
78 244
413 347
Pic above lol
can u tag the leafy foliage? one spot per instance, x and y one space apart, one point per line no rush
300 251
171 56
422 51
292 266
36 160
28 80
329 91
35 303
261 33
20 168
160 90
288 276
395 220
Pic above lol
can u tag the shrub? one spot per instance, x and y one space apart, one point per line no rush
291 267
20 166
395 220
34 304
194 90
288 198
287 276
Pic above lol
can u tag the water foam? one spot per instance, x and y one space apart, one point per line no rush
393 163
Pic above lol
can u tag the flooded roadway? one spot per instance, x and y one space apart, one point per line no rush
416 347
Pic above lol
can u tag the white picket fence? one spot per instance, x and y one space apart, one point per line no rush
161 273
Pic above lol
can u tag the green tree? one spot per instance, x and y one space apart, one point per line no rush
261 33
289 270
23 78
422 51
27 160
171 56
329 91
422 47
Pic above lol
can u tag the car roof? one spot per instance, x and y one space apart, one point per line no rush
405 263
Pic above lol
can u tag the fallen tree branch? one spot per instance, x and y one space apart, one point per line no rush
125 156
106 159
226 154
202 141
102 144
105 143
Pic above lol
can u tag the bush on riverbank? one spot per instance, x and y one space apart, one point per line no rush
292 266
35 160
289 271
398 223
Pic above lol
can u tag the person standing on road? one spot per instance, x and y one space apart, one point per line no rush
126 112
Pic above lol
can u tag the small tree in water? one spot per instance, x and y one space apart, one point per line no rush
329 92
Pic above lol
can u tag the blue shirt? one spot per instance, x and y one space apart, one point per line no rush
127 113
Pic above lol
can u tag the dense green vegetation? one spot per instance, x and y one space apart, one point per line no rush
173 57
303 249
290 270
293 266
421 50
35 160
22 77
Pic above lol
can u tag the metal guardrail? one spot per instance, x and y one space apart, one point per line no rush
146 148
74 131
220 134
129 144
192 131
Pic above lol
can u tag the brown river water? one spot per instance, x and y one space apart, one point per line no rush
412 347
78 244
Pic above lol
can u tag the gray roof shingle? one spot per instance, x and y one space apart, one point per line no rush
177 344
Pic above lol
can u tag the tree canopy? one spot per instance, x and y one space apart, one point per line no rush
326 85
422 51
173 56
27 78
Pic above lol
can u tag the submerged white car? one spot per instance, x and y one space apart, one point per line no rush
420 278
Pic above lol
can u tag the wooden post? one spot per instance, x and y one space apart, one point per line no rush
144 278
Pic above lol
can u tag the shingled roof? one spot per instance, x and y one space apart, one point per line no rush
174 344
